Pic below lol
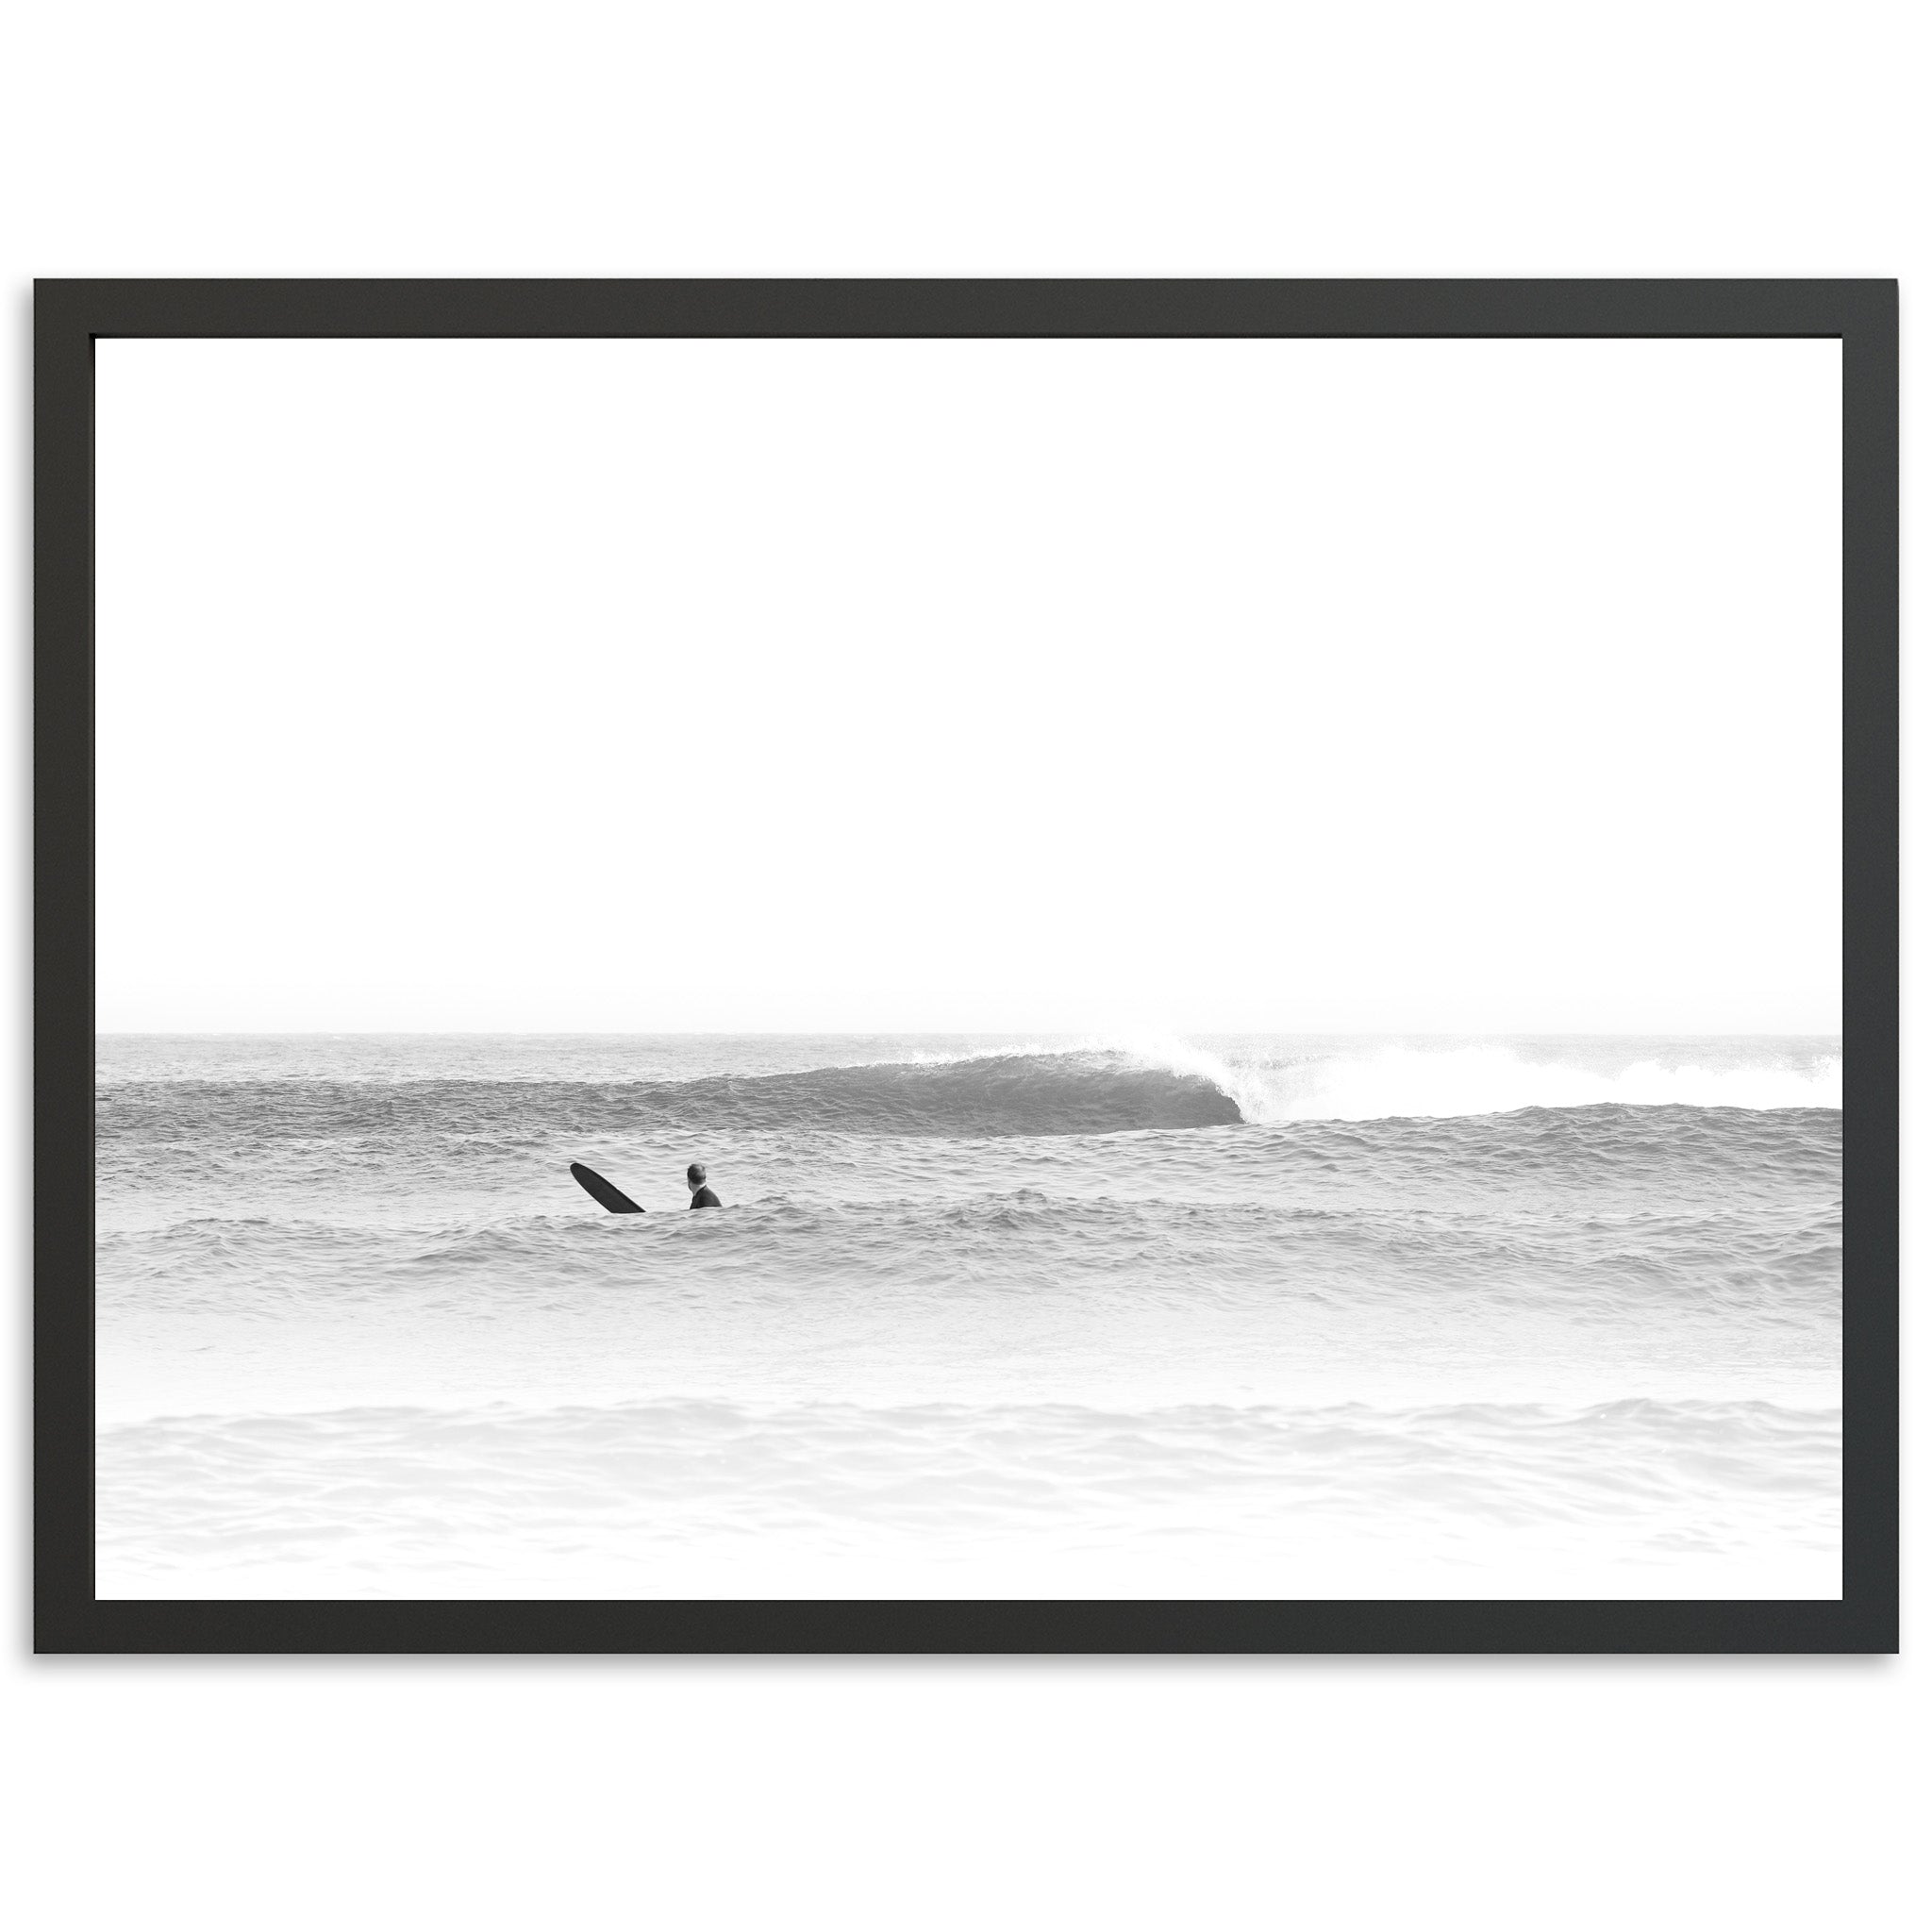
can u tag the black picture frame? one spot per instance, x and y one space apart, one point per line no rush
69 316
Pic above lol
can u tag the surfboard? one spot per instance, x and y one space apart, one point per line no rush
601 1191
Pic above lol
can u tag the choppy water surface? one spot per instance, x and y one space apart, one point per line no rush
1262 1316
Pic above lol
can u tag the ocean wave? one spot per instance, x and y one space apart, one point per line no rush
675 1497
1099 1090
1600 1267
966 1097
1415 1082
374 1060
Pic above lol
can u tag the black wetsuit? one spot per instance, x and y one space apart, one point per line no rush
705 1198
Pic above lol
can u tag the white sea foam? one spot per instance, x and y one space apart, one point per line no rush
1391 1081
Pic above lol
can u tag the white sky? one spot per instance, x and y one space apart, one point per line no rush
983 686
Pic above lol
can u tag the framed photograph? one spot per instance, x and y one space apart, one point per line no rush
966 966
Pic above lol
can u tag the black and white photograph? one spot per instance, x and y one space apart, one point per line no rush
968 966
802 969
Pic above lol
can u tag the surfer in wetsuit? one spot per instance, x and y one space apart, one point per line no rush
701 1196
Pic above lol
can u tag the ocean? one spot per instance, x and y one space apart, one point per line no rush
1258 1317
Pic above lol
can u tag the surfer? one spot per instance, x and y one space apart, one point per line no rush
701 1196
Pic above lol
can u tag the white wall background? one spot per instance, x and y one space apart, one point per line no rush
1646 138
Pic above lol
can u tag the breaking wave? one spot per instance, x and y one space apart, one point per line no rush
1410 1082
1095 1090
1002 1094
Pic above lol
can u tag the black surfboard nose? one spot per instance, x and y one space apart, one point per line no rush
601 1191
